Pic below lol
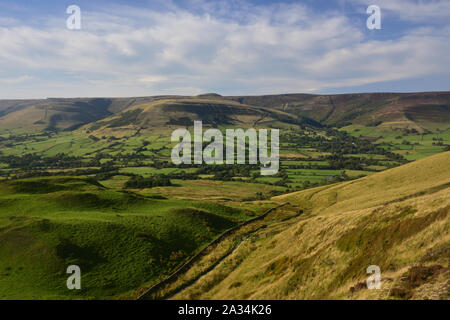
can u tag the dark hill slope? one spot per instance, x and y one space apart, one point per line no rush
421 111
167 114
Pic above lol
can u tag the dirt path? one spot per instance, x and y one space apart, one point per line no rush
185 267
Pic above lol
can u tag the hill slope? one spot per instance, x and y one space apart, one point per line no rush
389 111
396 219
420 111
119 239
59 113
169 114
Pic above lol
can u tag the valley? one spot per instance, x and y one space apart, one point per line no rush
363 180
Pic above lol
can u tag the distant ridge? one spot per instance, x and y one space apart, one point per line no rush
422 111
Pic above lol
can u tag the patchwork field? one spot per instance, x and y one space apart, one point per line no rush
411 146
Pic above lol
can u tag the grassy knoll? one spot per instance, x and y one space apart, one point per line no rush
396 219
119 239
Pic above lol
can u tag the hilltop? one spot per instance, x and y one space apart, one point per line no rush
318 244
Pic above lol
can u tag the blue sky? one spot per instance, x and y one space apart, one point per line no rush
249 47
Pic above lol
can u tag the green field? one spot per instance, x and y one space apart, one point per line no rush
411 146
79 144
147 171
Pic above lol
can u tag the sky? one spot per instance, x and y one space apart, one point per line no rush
249 47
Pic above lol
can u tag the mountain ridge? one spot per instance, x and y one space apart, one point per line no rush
420 111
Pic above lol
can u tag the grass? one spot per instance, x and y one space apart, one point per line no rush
119 239
316 247
148 171
77 143
156 146
212 190
396 219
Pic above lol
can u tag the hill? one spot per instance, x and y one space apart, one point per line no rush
422 111
390 111
169 114
319 243
119 239
60 113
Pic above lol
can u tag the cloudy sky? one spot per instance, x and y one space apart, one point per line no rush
141 48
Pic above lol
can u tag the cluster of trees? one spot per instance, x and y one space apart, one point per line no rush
101 173
159 180
34 161
340 143
226 172
438 142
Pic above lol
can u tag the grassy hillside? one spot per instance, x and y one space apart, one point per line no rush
423 111
389 111
58 113
166 115
68 114
35 115
396 219
119 239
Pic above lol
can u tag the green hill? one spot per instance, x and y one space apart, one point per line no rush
320 243
169 114
119 239
60 113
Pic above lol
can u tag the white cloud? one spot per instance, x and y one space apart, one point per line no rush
152 79
269 49
16 80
